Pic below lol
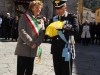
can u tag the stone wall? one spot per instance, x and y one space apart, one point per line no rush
48 8
7 6
72 6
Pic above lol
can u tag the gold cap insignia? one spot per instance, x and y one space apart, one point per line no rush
57 1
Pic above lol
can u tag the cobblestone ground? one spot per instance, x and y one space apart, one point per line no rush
8 60
86 63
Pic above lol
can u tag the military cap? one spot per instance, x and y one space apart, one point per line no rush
59 3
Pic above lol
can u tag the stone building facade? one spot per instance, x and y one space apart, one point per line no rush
9 6
72 6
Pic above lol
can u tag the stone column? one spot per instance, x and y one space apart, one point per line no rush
48 8
72 6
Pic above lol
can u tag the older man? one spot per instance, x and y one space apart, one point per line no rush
62 67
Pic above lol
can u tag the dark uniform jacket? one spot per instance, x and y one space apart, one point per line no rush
57 44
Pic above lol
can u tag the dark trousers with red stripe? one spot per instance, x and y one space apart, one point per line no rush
62 67
25 65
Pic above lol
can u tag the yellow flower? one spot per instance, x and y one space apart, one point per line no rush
51 30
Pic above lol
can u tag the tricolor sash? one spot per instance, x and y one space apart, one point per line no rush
33 23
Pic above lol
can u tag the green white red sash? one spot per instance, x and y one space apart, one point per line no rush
33 23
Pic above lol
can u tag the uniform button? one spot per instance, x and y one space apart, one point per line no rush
57 38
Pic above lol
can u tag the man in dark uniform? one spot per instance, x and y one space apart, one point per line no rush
7 26
62 67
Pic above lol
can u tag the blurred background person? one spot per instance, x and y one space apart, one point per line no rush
14 28
0 25
85 33
7 26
